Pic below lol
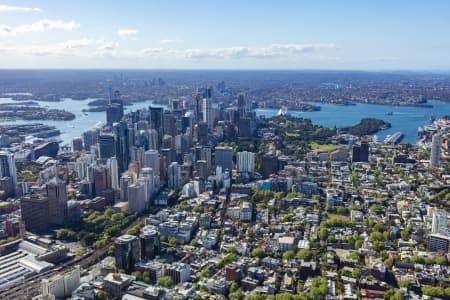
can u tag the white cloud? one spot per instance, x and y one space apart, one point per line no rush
108 46
167 41
272 51
127 33
39 26
69 47
11 8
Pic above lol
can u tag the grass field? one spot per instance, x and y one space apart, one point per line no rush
324 147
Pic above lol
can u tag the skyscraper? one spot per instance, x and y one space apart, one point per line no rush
107 147
207 113
121 145
57 200
156 121
35 213
436 150
149 242
269 165
137 197
439 223
246 162
113 172
126 252
114 111
174 176
8 166
224 157
90 138
152 160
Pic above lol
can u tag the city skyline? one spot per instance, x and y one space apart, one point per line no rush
210 35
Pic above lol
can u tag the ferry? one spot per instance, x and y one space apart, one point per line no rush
394 138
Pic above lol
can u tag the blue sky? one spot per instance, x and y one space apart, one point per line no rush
360 35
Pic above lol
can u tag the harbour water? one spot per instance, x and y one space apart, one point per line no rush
404 119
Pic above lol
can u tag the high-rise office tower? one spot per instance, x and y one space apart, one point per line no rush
125 181
360 153
149 242
107 148
202 133
122 146
113 172
90 138
35 213
364 151
100 179
246 162
137 197
439 222
204 153
77 144
174 176
114 111
241 105
126 252
224 158
156 121
152 160
153 139
8 166
436 142
269 165
57 200
169 123
207 113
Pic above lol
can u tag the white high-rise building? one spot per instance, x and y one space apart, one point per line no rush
61 286
153 139
439 222
436 150
137 198
113 172
207 112
8 166
83 164
246 162
174 176
151 160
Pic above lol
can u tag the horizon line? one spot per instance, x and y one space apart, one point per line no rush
235 70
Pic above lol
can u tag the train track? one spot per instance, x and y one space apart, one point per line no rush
30 286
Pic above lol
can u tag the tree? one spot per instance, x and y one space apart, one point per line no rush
323 233
289 254
304 254
388 262
165 281
146 277
258 252
233 287
138 275
356 273
238 295
319 288
232 249
441 260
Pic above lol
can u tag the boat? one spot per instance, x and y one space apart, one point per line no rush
394 138
389 113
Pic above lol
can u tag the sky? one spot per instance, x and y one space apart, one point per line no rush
227 34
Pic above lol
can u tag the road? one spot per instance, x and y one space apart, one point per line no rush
31 286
